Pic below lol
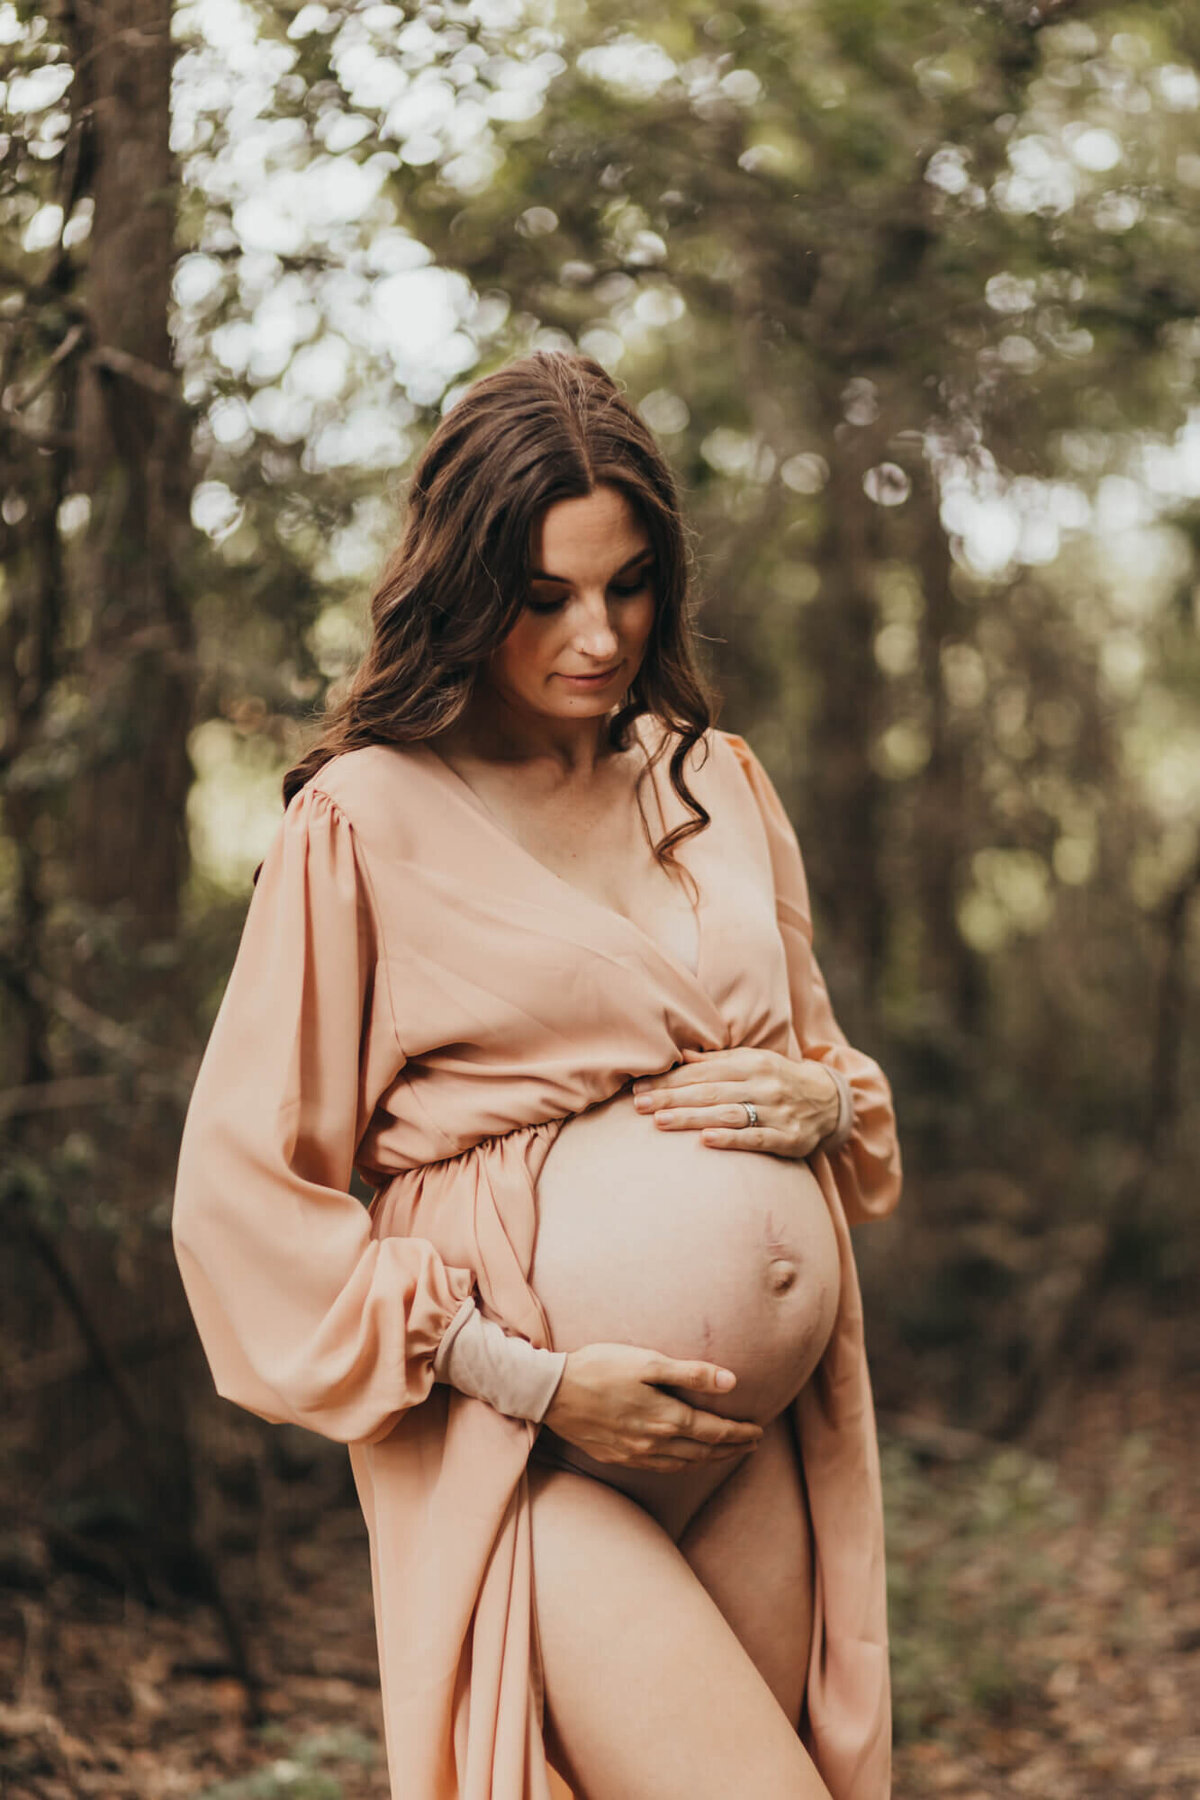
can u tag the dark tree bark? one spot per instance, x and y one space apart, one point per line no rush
949 966
132 437
116 606
844 786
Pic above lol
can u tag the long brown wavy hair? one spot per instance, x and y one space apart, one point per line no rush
545 427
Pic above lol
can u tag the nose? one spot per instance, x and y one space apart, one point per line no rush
597 638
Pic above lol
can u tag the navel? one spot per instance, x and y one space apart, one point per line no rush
781 1274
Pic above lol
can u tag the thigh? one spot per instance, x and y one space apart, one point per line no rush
751 1546
672 1497
649 1694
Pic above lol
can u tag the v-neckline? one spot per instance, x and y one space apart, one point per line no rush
478 805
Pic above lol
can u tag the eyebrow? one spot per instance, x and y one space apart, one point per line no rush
542 575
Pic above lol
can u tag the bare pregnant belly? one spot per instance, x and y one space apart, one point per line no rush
648 1237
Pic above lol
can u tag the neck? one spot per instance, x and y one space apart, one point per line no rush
492 729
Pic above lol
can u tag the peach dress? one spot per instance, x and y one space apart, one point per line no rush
416 997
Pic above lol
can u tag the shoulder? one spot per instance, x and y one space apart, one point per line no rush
733 750
737 754
351 779
720 768
730 761
714 748
342 832
377 791
752 781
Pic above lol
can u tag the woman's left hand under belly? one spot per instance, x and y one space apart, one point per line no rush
796 1102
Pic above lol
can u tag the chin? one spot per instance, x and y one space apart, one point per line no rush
574 706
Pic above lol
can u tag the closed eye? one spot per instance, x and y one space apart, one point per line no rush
619 591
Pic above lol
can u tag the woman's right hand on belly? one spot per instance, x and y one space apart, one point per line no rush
609 1403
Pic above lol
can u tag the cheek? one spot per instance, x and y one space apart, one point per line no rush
525 653
639 622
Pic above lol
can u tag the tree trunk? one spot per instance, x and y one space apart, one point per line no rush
133 443
119 1450
950 968
845 788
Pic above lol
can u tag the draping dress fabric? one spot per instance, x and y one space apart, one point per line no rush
416 997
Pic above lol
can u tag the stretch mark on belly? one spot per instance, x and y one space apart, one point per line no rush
777 1245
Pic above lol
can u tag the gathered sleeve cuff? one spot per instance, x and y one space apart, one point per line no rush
844 1125
863 1147
480 1358
304 1316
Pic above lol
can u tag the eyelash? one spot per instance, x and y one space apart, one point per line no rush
622 593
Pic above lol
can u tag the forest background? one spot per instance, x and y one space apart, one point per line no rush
911 295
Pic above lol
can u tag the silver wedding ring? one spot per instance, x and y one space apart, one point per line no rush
751 1112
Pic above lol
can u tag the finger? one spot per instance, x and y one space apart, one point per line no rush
662 1088
739 1056
674 1371
693 1450
703 1427
673 1076
701 1093
692 1425
753 1137
688 1455
671 1464
675 1418
681 1452
736 1064
729 1117
711 1428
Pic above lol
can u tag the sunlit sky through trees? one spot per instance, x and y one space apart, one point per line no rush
309 312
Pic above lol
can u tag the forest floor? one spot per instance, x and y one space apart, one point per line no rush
1045 1638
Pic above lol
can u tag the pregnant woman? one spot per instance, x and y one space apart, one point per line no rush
531 951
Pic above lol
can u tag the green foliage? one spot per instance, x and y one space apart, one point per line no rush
971 1571
300 1771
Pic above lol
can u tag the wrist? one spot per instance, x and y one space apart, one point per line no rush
833 1103
510 1373
842 1124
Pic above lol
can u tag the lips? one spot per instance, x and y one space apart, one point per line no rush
602 675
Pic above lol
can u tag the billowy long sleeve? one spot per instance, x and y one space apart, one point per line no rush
866 1163
304 1315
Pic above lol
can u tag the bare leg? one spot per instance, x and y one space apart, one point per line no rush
750 1544
649 1694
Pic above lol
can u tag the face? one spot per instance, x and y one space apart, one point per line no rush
580 640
